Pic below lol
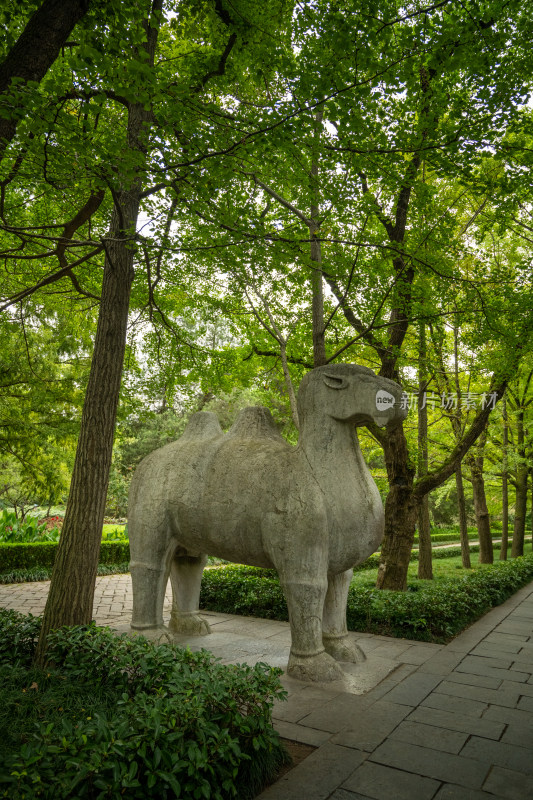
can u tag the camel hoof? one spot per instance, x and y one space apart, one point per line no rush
319 668
158 635
190 624
343 649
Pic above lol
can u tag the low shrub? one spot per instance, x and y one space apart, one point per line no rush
434 612
136 719
29 555
45 573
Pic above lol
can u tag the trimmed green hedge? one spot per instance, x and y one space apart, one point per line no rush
455 537
45 573
434 612
118 716
28 555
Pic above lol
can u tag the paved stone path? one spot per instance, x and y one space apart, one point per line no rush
415 722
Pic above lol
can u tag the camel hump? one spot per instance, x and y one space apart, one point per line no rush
255 422
202 425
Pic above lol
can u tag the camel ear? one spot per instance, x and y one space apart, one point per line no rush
335 381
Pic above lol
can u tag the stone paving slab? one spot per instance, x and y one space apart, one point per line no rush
431 763
382 782
318 776
371 725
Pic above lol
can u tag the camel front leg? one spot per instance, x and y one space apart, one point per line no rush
335 634
308 660
148 585
186 579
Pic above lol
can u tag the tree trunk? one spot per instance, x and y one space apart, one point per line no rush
531 509
70 599
505 485
317 281
425 553
463 527
486 554
400 513
35 51
519 528
425 565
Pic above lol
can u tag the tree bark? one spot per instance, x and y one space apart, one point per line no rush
400 513
463 526
476 461
531 508
425 565
505 485
317 282
425 552
35 51
71 595
519 527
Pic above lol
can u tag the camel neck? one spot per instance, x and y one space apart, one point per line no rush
327 443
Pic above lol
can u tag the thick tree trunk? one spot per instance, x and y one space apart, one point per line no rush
463 526
519 528
505 485
400 513
70 599
36 50
486 554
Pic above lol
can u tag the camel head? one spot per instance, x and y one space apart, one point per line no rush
350 393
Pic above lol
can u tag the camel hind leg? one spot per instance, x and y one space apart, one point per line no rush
149 542
186 579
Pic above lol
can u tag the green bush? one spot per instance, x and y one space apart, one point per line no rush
156 720
434 612
18 637
45 573
437 611
29 555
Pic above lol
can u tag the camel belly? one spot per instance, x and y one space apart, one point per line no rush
223 531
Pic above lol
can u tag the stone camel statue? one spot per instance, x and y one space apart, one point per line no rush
312 511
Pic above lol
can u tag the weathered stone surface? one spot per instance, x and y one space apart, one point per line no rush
432 764
429 736
509 784
455 721
312 511
317 777
383 783
371 726
413 690
501 754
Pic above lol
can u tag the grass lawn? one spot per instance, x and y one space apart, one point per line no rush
115 526
443 569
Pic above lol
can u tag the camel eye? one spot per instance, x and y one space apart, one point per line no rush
334 381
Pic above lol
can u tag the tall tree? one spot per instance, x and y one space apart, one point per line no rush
32 55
